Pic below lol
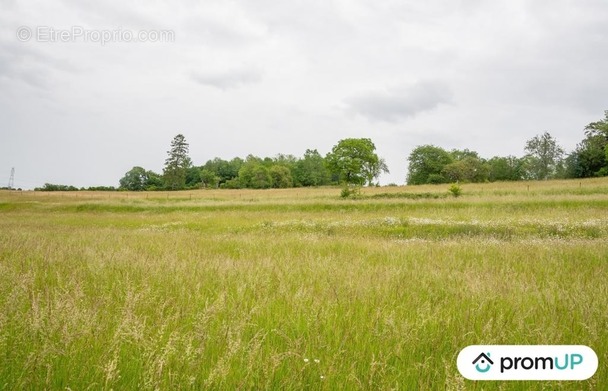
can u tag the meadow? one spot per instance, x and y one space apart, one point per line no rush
297 288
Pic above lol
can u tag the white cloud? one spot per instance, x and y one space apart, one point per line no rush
228 79
400 103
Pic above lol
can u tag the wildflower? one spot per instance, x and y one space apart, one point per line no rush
322 377
317 360
305 360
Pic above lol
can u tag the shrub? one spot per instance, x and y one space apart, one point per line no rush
455 189
353 192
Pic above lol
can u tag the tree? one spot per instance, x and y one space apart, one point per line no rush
281 177
177 164
54 187
355 162
254 174
590 158
209 179
544 156
135 179
599 127
193 177
311 170
223 169
426 164
288 161
508 168
468 169
155 180
374 169
461 154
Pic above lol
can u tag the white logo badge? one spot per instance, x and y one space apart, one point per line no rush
527 362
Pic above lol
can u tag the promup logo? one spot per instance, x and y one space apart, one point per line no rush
482 359
527 362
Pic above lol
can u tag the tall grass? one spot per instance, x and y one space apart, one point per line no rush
296 289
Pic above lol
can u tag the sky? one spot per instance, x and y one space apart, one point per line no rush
91 88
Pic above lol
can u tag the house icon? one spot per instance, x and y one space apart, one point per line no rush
482 359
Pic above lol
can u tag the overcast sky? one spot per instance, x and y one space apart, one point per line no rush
267 77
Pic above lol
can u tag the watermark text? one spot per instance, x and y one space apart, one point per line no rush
48 34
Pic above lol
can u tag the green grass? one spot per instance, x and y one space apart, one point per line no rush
297 289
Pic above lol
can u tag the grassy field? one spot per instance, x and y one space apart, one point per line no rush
298 288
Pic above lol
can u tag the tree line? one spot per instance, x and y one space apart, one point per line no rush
354 162
544 159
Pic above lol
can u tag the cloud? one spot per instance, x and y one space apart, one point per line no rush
492 74
22 63
400 103
229 79
222 25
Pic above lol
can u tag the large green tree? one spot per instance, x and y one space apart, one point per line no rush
509 168
254 174
426 163
209 178
281 176
544 156
311 170
467 169
355 162
177 164
193 177
154 180
590 158
223 169
135 179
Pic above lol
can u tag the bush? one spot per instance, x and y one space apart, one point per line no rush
352 192
435 179
53 187
455 190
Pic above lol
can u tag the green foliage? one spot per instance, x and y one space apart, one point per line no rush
97 188
599 127
54 187
455 190
458 154
590 158
355 162
209 178
426 163
350 192
193 178
544 156
155 181
136 179
468 169
508 168
311 170
345 192
288 161
223 169
177 164
281 176
233 183
254 174
435 179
